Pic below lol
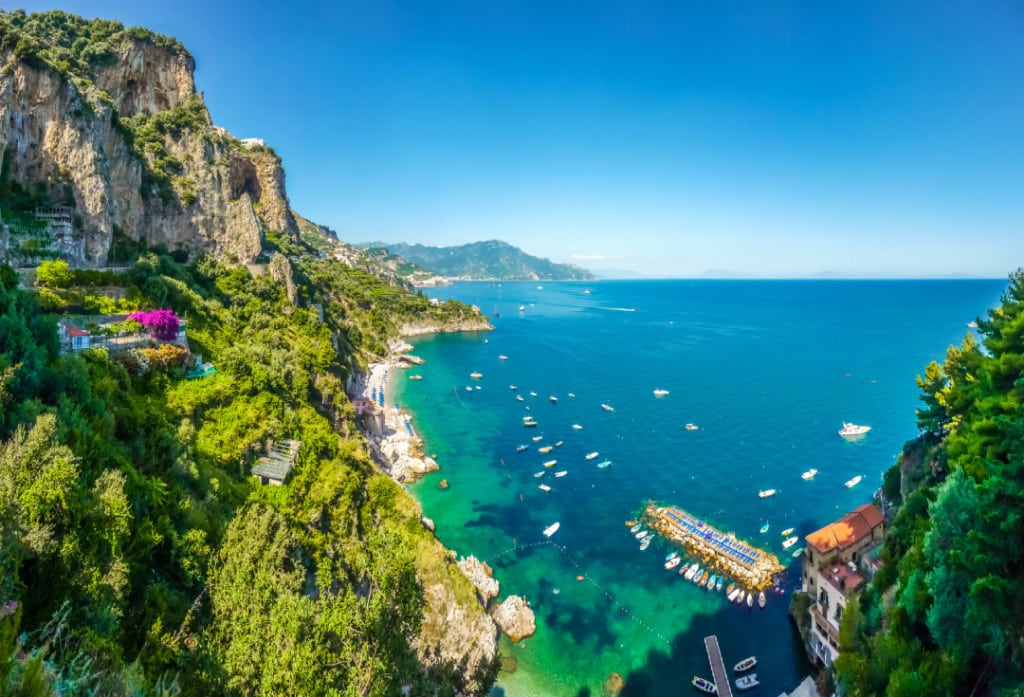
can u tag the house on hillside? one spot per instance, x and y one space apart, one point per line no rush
72 337
837 560
274 467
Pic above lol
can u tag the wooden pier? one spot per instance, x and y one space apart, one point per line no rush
751 567
718 671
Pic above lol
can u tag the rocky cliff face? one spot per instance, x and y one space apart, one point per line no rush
130 147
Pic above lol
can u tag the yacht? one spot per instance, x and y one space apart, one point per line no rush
690 427
660 393
673 563
765 493
809 474
475 375
577 427
551 529
607 407
789 542
850 430
854 482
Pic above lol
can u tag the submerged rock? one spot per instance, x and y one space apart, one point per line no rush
515 618
613 685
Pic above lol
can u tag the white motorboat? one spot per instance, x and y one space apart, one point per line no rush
789 542
809 474
591 456
747 682
691 427
475 375
577 427
660 393
551 529
550 463
607 407
850 430
854 482
765 493
561 473
544 487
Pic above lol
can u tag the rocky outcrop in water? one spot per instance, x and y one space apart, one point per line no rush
515 618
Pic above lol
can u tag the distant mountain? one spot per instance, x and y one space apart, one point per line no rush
492 260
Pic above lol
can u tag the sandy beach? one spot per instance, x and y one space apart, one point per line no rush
393 440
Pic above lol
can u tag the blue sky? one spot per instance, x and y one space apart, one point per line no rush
778 139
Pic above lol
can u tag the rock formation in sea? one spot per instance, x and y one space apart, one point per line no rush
515 618
482 578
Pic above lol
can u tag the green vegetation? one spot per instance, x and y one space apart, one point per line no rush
945 615
138 557
69 44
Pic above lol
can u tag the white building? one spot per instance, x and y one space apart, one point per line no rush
832 572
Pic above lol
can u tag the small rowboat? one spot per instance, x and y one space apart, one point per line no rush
787 532
704 685
746 664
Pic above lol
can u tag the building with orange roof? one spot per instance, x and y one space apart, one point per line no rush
833 569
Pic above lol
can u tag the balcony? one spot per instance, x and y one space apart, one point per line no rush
820 621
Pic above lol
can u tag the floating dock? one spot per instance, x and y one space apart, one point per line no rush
721 678
751 567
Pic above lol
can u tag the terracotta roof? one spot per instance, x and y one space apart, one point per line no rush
847 531
72 330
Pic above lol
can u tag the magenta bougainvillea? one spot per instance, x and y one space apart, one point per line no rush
162 324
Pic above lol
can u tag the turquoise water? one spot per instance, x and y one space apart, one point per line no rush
767 370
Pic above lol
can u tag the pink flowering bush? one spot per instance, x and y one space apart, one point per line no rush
162 324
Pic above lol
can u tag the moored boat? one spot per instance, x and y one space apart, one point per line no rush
551 463
787 532
551 529
690 427
731 595
696 575
809 474
532 393
764 528
544 487
502 357
789 542
761 600
562 473
553 399
591 456
850 430
415 377
750 599
797 552
520 448
747 682
519 398
529 424
513 388
711 582
645 543
704 685
640 534
475 375
853 482
691 571
537 439
636 527
746 664
673 563
546 449
660 393
704 579
602 465
607 407
538 475
577 427
718 583
765 493
671 555
559 444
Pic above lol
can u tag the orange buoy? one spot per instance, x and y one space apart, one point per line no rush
579 578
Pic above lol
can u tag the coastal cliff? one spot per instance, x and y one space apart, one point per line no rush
119 135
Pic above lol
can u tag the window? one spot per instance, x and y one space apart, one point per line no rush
839 612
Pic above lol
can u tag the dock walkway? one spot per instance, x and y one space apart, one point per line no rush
721 676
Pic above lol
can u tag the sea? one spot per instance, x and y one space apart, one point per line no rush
767 371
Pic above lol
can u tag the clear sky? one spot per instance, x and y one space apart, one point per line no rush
878 138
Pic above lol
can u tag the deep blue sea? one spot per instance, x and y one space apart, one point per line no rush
767 370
